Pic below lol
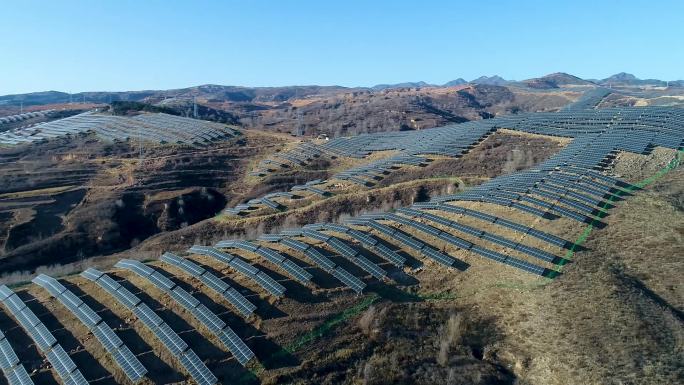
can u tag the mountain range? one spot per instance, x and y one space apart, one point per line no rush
218 93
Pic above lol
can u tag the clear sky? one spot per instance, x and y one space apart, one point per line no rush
114 45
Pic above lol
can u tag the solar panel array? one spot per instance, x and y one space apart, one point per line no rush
11 367
159 128
589 99
43 338
228 293
294 270
205 316
173 343
319 259
239 265
122 355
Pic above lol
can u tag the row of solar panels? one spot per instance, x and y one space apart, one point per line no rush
121 354
199 311
44 340
166 335
161 128
603 133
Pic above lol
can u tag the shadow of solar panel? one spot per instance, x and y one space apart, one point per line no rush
236 346
198 371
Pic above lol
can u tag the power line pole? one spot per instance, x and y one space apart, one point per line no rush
194 106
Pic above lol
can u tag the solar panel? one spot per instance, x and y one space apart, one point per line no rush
529 267
42 337
7 356
370 267
236 346
86 315
269 284
243 267
488 253
109 340
271 255
341 247
208 318
297 271
161 281
170 339
438 257
61 361
239 301
390 255
126 297
51 285
130 364
319 259
75 378
198 371
351 281
147 316
70 300
108 283
213 282
18 376
184 298
27 318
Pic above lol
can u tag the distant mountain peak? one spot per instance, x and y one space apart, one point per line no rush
456 82
379 87
494 80
621 77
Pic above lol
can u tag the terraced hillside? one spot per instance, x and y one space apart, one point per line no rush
70 199
507 250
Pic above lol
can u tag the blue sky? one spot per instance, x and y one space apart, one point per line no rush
112 45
